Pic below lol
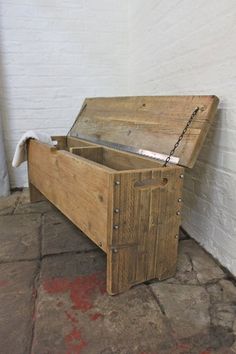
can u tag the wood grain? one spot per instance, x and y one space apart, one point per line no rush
79 189
129 205
116 160
153 123
65 142
144 246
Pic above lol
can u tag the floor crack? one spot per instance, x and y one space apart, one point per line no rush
157 300
35 296
192 267
36 285
69 252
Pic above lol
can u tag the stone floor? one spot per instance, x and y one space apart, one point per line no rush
53 298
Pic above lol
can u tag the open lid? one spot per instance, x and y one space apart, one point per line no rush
151 123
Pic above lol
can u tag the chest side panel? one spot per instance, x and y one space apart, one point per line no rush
81 191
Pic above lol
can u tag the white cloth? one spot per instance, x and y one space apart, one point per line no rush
21 153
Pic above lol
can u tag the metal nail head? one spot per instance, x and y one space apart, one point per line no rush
180 200
181 176
117 183
178 212
116 227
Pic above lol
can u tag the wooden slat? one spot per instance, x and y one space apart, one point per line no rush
66 142
145 241
152 123
79 189
165 257
74 142
91 153
117 160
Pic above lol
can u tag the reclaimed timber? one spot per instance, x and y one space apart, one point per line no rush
66 142
74 142
144 244
134 249
117 160
90 153
61 142
128 204
79 189
148 122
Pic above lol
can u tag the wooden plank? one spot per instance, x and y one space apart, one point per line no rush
91 153
79 189
143 243
120 267
152 123
74 142
151 242
126 161
142 216
61 142
169 207
66 142
114 159
131 215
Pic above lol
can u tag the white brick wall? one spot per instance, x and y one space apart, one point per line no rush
188 47
53 54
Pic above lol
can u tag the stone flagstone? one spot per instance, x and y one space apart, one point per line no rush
57 303
19 237
185 306
75 314
17 297
60 235
205 266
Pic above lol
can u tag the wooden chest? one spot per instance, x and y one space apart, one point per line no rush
101 176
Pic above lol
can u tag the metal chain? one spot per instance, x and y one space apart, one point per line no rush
181 136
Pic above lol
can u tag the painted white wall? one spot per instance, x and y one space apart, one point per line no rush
188 47
53 55
4 178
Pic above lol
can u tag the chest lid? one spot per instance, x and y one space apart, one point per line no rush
152 123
